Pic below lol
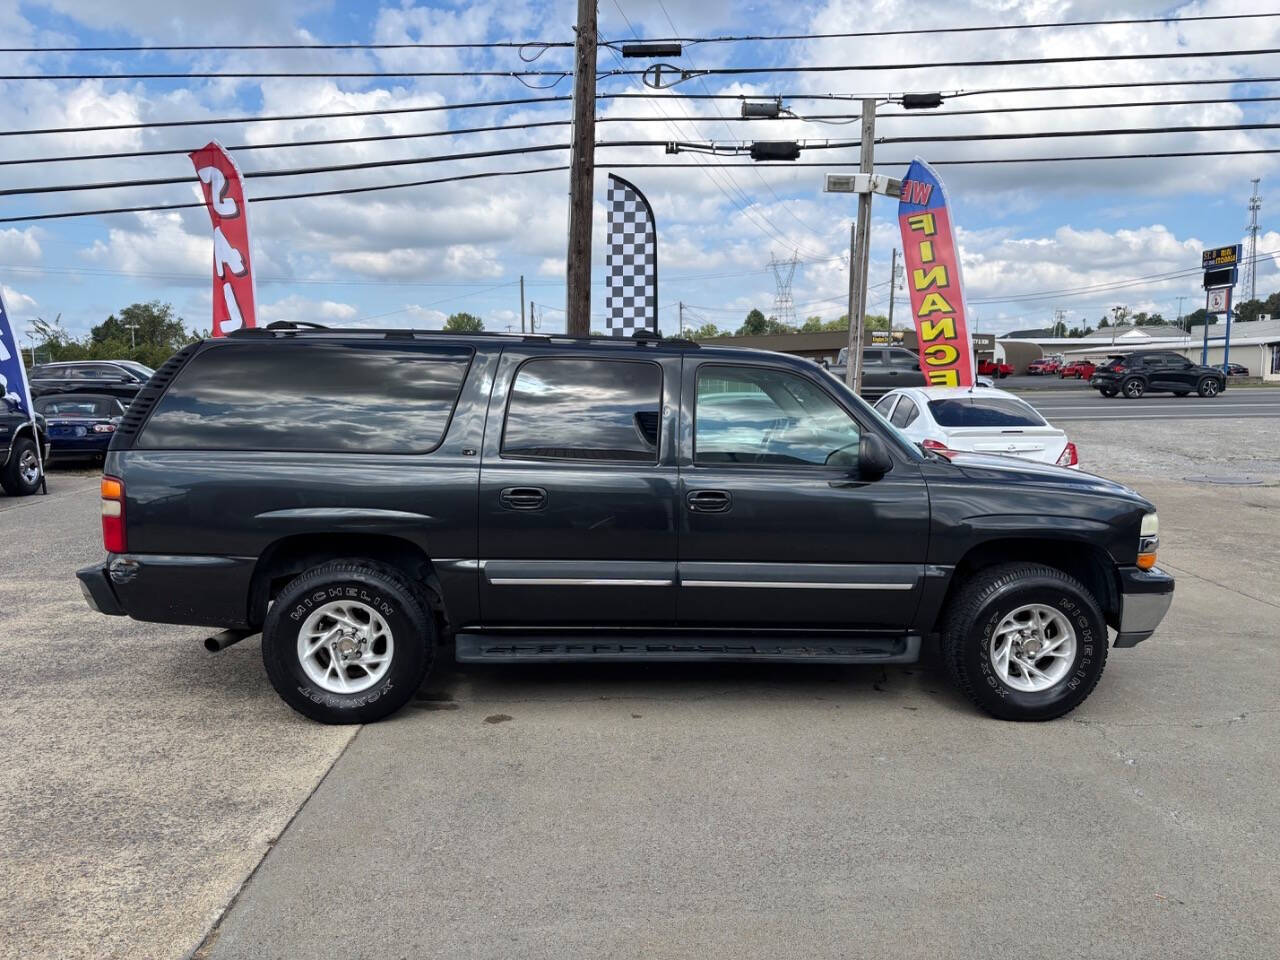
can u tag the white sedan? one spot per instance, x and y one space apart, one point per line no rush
978 420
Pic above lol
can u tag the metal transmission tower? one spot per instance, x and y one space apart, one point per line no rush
1251 258
784 271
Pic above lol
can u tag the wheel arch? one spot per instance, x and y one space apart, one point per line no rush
285 558
1081 559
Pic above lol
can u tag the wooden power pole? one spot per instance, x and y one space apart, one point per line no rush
522 303
858 252
582 170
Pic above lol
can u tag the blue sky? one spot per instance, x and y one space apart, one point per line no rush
411 256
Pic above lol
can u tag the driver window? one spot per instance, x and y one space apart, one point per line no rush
759 415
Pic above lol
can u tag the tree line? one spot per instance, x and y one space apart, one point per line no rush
757 324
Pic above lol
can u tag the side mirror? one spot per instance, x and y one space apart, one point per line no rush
873 457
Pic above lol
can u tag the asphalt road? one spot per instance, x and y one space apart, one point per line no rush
1075 403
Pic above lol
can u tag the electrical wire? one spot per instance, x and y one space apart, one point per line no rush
564 98
901 164
759 176
1058 134
744 205
965 29
685 74
547 44
344 191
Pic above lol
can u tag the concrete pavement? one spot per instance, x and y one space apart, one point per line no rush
801 813
141 778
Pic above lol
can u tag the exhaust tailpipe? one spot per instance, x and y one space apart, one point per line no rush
220 641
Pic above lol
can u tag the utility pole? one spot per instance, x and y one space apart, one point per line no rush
1179 321
859 235
680 305
133 339
893 285
581 175
522 303
1251 261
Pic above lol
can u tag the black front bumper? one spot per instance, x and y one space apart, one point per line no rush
97 590
1145 596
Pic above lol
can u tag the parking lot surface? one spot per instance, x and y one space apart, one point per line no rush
654 812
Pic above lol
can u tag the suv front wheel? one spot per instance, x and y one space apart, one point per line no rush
1025 642
348 641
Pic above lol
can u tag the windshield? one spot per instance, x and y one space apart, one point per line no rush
984 412
139 368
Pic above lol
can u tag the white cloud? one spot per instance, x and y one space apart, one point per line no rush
296 307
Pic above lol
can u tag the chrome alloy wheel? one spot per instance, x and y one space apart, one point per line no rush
1033 648
344 646
29 467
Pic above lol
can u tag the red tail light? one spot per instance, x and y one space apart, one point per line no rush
1069 456
937 447
113 514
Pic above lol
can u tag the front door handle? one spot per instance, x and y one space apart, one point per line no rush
523 498
709 501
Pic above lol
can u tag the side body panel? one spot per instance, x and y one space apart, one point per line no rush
236 505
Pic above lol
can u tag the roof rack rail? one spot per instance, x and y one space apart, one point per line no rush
294 325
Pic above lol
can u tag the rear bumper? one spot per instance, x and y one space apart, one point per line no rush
1145 596
96 587
165 588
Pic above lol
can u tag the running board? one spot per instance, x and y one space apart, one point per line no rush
545 648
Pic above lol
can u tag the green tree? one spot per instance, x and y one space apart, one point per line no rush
463 323
1197 319
154 336
870 321
706 331
1103 323
756 325
1250 310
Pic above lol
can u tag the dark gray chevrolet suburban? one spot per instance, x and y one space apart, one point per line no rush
370 500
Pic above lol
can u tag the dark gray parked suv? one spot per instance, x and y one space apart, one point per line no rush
371 500
883 369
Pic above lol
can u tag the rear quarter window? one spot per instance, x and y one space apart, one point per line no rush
984 412
347 397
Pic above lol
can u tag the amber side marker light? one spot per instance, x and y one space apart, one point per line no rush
113 515
1148 542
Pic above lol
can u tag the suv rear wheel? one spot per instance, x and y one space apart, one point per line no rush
348 641
1209 387
1025 642
1133 388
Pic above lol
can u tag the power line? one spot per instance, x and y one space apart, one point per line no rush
211 121
201 48
622 72
1049 134
965 29
523 101
631 165
290 196
551 44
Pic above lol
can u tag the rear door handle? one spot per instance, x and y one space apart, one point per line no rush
709 501
523 498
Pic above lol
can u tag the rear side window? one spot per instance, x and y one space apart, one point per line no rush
78 406
361 397
584 409
906 413
984 412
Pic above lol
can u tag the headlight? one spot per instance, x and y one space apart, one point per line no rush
1148 541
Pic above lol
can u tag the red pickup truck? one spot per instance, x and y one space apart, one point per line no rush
990 368
1078 370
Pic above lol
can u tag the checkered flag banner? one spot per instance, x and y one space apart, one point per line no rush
631 263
